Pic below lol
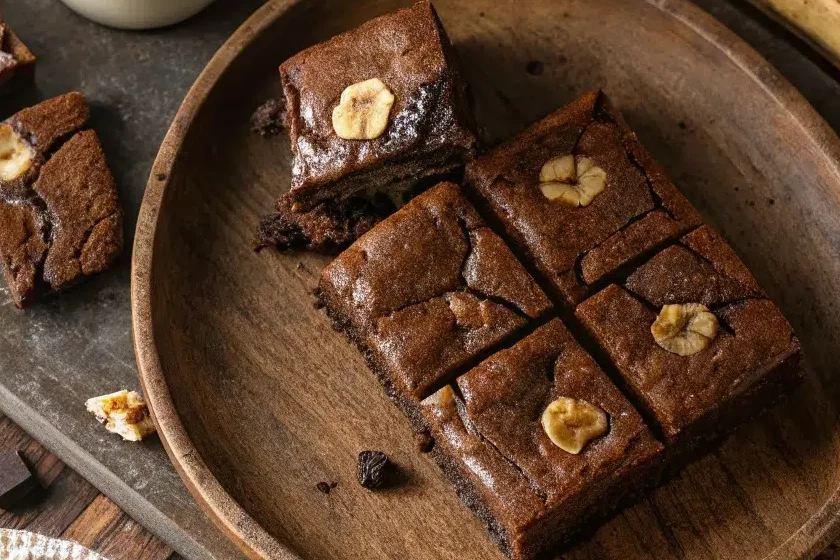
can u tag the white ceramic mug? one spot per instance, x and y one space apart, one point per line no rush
137 14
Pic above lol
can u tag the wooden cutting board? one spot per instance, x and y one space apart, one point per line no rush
258 400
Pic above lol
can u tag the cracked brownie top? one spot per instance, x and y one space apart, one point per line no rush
580 195
429 289
403 108
61 216
506 395
494 423
752 337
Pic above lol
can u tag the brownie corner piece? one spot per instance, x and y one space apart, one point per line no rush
539 443
419 123
695 381
17 63
428 291
62 220
581 176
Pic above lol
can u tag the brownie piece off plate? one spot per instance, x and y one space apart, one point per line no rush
375 109
60 219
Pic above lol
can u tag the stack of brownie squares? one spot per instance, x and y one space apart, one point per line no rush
561 323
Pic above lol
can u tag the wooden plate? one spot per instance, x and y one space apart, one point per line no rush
258 400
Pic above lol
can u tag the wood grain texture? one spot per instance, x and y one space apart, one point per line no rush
815 21
257 400
69 508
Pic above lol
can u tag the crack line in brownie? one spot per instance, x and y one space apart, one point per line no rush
713 308
460 406
77 253
505 343
37 202
631 264
720 271
657 200
509 305
605 362
620 274
658 205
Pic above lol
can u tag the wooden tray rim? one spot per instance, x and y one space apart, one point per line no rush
229 516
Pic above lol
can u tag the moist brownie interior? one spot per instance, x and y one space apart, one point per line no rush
495 411
61 219
576 248
752 360
427 291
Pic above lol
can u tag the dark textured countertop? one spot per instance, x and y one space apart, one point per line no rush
59 353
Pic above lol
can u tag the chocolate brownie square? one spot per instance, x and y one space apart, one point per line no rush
60 219
17 63
539 443
580 197
371 122
376 105
695 340
427 292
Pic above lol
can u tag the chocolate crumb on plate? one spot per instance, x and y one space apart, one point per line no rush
372 469
269 118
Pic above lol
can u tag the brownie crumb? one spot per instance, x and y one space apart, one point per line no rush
328 228
324 487
269 117
372 469
423 442
535 68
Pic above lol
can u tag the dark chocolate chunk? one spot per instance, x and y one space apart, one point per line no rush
269 118
323 487
372 469
16 480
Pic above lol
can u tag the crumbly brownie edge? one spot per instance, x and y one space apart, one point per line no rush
470 497
409 407
623 489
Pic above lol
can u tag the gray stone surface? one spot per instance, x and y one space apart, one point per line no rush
61 352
